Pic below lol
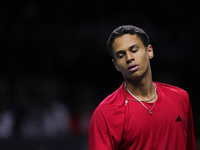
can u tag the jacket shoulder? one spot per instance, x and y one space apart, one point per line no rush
171 90
117 98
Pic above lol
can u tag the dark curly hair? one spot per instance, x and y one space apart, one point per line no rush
126 29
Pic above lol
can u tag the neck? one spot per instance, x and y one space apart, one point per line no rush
142 89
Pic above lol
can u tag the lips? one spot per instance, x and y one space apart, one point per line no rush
133 67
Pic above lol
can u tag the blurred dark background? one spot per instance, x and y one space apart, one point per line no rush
55 69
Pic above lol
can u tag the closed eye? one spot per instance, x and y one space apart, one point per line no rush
120 54
134 50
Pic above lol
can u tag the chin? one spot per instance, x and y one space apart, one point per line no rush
133 77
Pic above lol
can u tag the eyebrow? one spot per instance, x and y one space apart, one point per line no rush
130 48
133 46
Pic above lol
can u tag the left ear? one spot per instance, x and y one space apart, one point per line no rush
150 51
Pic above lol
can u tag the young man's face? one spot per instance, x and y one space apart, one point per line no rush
131 56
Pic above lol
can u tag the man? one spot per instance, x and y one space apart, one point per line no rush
140 114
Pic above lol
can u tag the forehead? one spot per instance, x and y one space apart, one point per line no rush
125 41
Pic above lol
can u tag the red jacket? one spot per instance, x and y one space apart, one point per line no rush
116 126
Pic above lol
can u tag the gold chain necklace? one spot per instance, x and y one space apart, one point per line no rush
137 100
150 111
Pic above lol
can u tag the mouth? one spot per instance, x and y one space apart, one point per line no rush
133 67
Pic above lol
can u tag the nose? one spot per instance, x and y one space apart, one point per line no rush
129 57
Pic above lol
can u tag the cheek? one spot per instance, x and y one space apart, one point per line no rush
122 69
144 63
145 59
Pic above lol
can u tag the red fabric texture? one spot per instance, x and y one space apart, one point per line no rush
116 126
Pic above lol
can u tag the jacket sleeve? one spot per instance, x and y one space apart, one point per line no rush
106 128
191 145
